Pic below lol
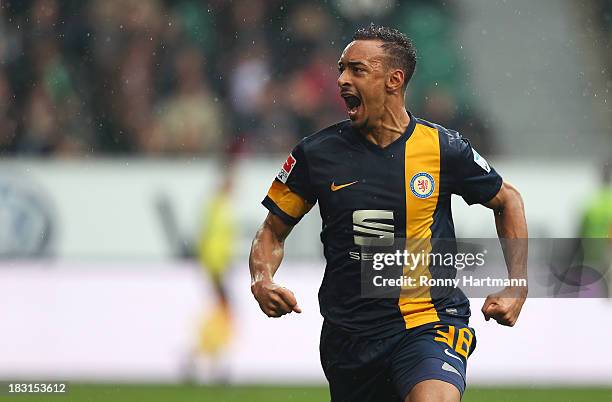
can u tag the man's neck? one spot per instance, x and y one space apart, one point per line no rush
390 127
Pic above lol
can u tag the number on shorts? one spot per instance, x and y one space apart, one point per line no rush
464 339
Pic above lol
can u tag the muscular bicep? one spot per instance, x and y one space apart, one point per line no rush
497 201
506 194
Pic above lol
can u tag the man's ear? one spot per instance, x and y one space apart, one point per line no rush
395 80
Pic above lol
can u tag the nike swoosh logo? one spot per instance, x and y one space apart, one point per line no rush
452 355
336 188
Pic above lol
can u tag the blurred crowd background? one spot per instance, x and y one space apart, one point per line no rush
138 138
187 77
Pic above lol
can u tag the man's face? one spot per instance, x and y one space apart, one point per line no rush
362 81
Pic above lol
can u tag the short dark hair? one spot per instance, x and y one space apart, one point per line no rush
399 48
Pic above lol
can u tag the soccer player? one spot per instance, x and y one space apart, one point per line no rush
380 175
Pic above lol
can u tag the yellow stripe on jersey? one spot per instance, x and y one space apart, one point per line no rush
422 156
288 201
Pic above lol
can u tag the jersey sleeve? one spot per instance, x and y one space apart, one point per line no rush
473 178
291 195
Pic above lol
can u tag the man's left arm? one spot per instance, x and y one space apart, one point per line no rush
505 306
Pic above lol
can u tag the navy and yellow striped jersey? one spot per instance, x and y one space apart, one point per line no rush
406 187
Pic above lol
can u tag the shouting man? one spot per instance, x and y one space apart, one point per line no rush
385 174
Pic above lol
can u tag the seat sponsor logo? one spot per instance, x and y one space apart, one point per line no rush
373 227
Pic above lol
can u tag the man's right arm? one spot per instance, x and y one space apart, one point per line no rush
266 255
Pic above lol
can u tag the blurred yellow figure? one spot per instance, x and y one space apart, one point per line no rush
596 223
215 252
216 242
215 331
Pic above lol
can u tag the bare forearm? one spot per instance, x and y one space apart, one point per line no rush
267 249
505 306
512 231
266 255
510 219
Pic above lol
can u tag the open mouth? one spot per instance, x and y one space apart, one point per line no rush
352 104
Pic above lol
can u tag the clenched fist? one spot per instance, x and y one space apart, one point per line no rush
505 305
274 300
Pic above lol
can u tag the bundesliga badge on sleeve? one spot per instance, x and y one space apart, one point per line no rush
480 161
285 171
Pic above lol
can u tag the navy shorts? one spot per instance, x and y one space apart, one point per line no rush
363 369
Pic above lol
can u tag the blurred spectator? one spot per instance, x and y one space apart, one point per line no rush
10 40
8 125
248 80
441 107
171 77
365 10
190 121
313 93
40 129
